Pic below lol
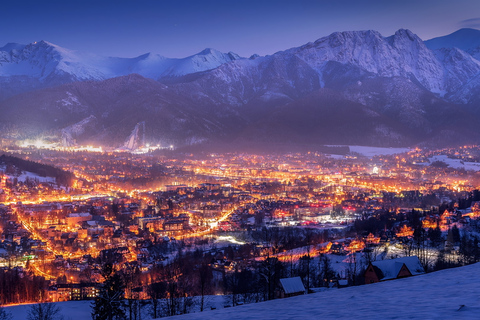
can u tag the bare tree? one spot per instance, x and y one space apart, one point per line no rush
353 267
326 272
156 291
204 275
44 311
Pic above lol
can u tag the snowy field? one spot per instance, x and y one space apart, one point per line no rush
81 310
447 294
438 295
71 310
455 163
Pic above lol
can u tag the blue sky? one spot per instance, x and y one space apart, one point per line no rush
178 28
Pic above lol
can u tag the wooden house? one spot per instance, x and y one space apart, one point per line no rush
393 269
290 287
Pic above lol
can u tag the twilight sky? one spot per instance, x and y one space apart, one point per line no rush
178 28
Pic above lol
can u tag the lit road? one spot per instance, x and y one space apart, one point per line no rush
213 226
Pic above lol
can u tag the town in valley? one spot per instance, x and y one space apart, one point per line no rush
182 226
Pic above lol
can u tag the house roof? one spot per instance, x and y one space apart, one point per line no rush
343 282
391 268
292 285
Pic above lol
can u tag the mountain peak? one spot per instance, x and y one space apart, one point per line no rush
144 56
340 39
233 55
208 51
404 36
213 52
352 34
43 43
407 33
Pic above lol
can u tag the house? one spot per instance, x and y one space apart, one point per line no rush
73 291
73 218
291 287
393 269
173 225
337 248
342 283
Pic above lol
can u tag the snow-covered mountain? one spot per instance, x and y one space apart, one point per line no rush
403 54
360 86
46 61
362 53
443 65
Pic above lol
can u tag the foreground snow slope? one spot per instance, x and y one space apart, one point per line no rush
438 295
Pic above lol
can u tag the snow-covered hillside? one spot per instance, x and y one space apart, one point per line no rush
447 294
25 175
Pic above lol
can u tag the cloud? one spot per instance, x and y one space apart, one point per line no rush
470 23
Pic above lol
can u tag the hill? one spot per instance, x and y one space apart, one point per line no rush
447 294
62 177
438 295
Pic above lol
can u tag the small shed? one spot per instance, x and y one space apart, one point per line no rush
291 287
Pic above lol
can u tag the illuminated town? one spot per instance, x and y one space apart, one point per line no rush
228 213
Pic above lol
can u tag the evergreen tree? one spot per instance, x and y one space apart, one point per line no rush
108 305
435 236
456 234
449 243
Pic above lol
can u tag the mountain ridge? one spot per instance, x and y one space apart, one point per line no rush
401 91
